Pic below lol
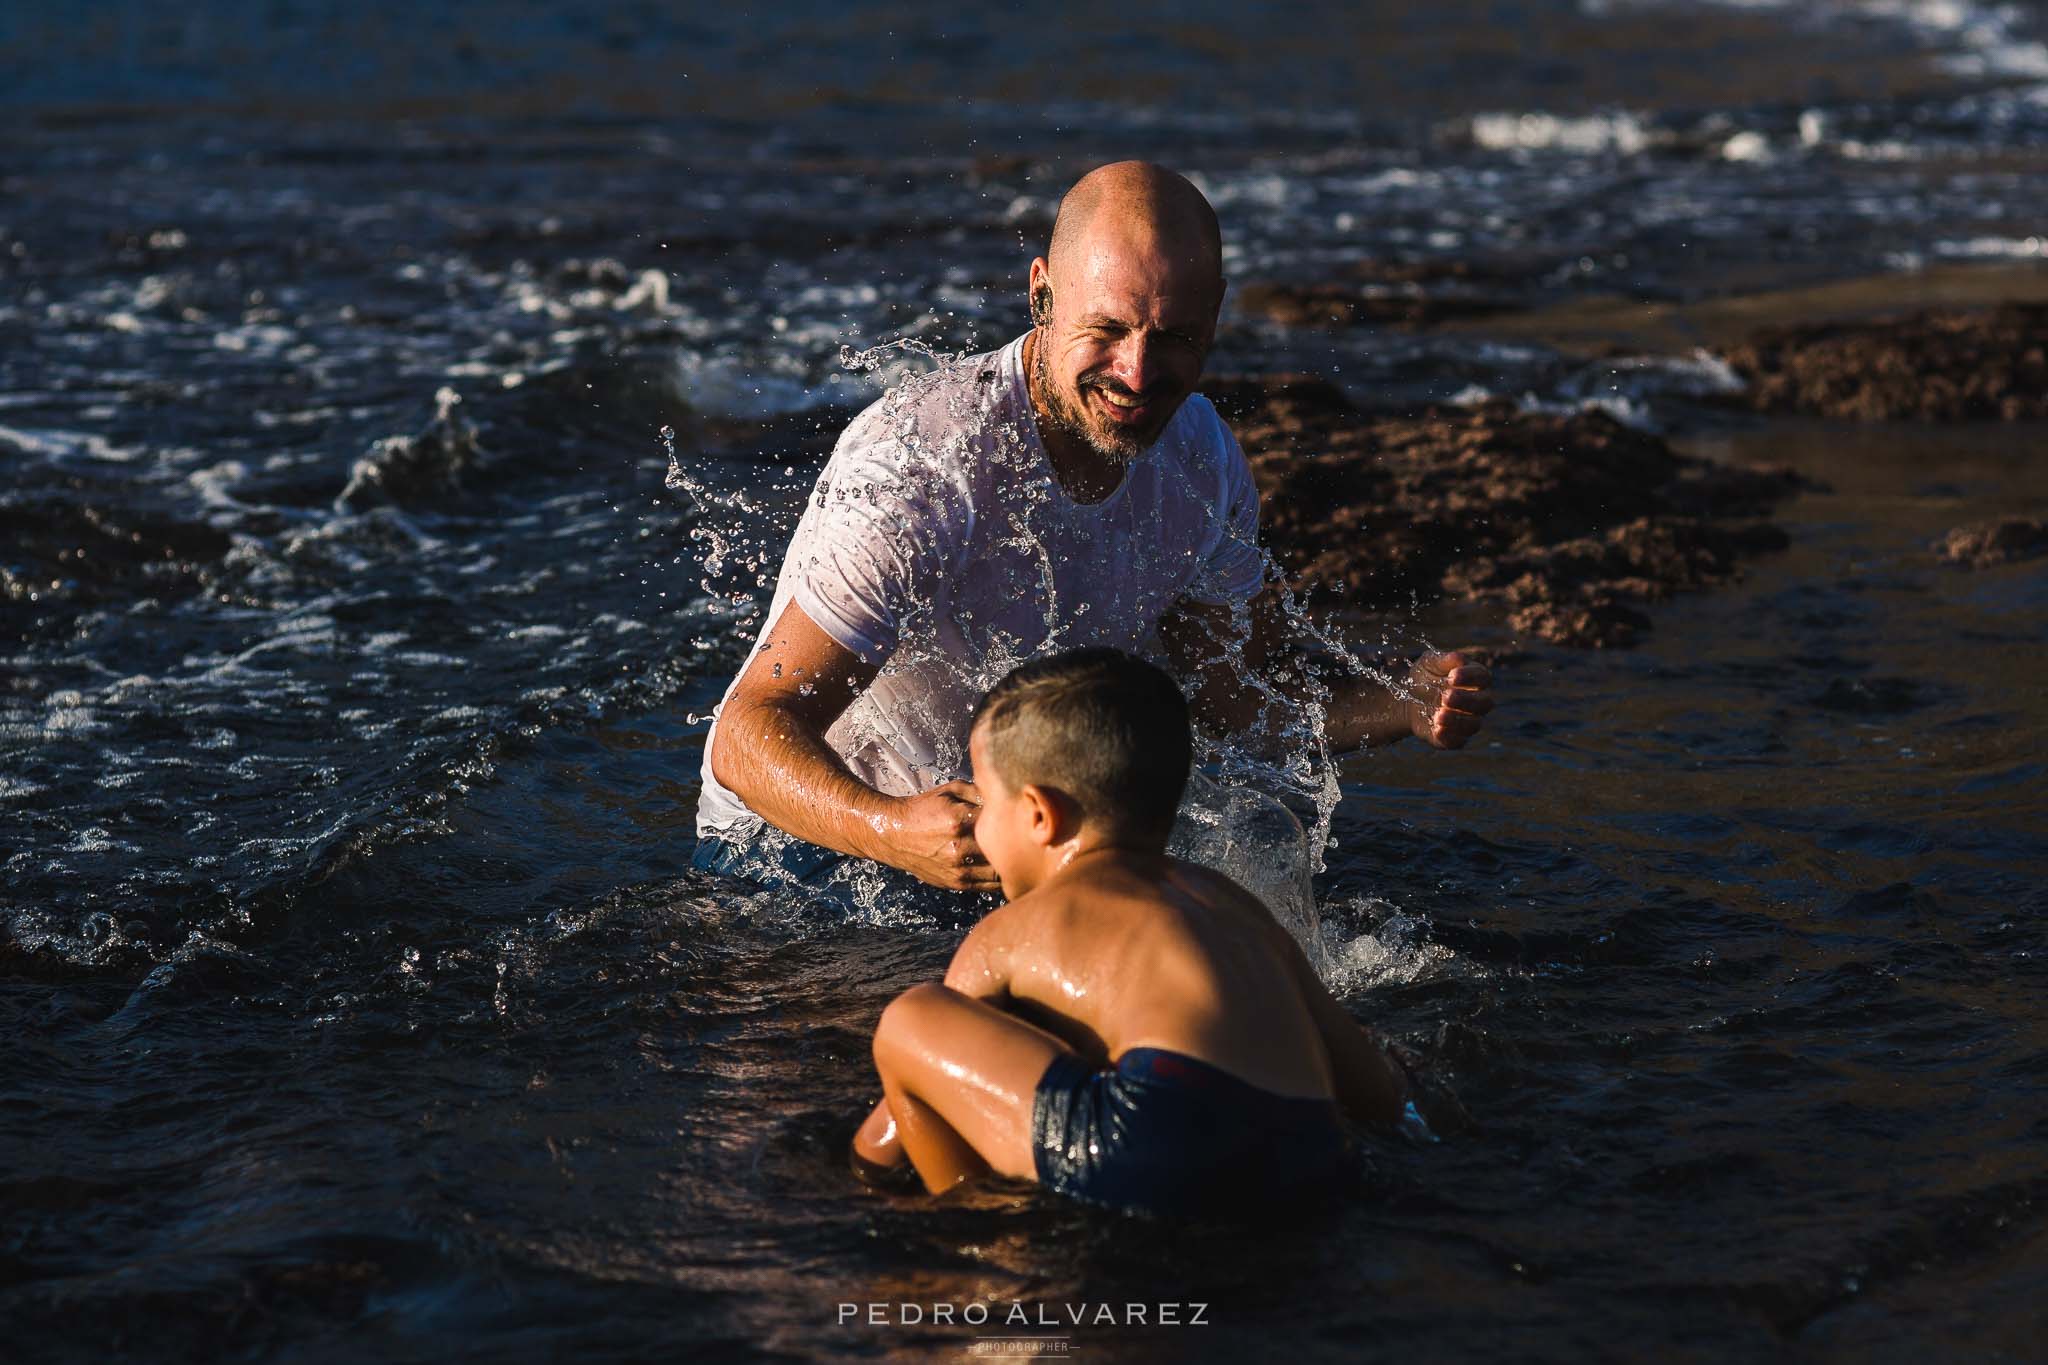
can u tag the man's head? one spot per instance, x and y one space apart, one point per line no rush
1090 745
1125 306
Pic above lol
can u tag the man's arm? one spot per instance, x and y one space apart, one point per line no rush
770 751
1446 698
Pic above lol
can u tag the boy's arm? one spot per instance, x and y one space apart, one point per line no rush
981 964
1370 1088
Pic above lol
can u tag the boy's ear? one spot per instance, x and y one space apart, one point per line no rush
1051 815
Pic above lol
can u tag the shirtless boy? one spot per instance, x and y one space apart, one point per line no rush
1129 1030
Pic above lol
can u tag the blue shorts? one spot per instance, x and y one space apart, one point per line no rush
1163 1133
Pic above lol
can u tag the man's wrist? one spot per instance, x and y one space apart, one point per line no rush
876 816
1369 713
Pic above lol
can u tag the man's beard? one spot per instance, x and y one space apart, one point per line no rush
1118 447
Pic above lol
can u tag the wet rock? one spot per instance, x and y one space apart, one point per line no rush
413 469
1573 522
1581 591
1986 543
1934 366
1378 293
1342 305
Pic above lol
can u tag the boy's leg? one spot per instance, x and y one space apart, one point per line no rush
875 1141
961 1078
878 1158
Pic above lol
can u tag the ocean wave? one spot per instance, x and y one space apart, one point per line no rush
1993 248
1621 134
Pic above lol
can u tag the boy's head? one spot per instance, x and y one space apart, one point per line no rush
1091 739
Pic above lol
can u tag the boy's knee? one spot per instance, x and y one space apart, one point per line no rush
910 1012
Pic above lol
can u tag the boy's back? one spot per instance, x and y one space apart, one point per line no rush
1132 950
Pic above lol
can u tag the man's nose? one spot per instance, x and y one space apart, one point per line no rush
1137 361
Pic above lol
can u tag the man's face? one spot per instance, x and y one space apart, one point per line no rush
1124 344
1001 827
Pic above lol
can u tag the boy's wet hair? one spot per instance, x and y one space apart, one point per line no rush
1109 730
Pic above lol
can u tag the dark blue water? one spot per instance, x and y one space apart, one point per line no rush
353 658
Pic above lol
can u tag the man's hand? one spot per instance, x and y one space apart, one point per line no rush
1452 698
931 836
770 751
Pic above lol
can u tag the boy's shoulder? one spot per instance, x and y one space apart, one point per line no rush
1161 885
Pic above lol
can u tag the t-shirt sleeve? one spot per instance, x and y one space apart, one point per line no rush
1234 569
873 550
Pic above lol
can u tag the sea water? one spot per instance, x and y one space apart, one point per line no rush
360 997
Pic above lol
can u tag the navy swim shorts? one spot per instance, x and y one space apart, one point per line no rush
1163 1133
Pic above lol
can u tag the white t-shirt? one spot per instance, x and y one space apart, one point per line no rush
939 545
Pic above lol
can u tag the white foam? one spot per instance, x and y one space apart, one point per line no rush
649 294
1622 387
1994 248
1584 134
260 339
212 484
1258 189
96 840
1701 374
71 719
1752 147
67 445
1394 952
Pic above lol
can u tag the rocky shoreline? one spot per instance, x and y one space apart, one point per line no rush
1572 523
1937 365
1987 544
1383 293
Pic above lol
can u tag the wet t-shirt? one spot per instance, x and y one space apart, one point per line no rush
939 546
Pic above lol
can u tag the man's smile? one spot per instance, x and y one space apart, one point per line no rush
1126 408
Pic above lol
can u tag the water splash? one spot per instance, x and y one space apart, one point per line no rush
1081 572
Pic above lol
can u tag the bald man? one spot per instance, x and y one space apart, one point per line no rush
1069 490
